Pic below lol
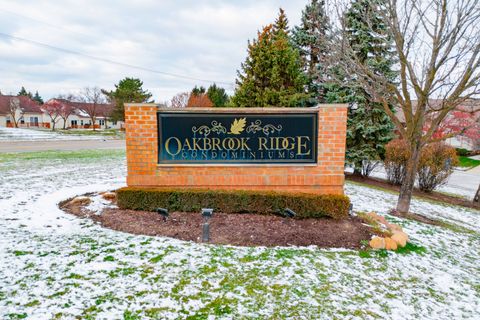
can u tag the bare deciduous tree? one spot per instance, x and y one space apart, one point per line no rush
437 44
14 110
92 98
477 195
52 109
180 100
67 108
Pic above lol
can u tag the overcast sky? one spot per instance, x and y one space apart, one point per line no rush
199 39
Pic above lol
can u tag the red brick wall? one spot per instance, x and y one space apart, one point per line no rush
324 177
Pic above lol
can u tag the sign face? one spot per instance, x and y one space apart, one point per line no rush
237 138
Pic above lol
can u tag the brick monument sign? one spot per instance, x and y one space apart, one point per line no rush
278 149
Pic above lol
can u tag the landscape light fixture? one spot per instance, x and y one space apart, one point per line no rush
350 209
206 214
289 213
163 212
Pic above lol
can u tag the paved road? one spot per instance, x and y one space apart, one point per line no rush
29 146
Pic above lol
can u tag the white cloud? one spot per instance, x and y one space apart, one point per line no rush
201 39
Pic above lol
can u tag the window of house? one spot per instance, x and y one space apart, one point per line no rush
101 122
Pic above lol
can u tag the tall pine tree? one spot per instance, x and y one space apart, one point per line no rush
24 92
311 38
217 95
37 98
127 90
271 75
369 128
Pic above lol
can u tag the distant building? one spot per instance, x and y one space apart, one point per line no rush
23 112
80 119
463 122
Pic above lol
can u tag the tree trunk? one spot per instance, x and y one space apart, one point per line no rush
477 195
93 123
406 190
64 123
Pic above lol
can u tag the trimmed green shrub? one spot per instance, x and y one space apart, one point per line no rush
462 152
258 202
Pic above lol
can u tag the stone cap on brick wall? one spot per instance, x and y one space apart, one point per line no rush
239 110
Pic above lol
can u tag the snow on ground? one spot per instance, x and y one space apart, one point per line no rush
55 266
19 134
461 183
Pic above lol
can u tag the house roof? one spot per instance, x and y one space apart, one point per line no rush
470 106
102 109
25 103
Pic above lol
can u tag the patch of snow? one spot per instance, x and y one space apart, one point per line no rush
53 264
20 134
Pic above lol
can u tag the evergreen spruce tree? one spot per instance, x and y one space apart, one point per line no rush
24 92
271 75
312 41
217 95
369 128
127 90
37 98
198 90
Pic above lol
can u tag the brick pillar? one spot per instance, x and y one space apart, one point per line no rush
141 140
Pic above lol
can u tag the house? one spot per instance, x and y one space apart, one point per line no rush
462 123
79 118
21 111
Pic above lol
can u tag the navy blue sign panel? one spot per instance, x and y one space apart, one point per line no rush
237 138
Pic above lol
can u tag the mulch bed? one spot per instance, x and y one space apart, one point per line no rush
234 229
437 196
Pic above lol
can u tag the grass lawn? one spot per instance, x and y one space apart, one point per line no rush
90 132
466 162
56 266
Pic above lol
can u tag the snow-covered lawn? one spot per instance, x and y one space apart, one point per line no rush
20 134
54 266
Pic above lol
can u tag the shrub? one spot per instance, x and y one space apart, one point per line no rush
396 157
436 165
462 152
258 202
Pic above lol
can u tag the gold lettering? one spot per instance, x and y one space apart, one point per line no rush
196 146
207 145
244 144
186 143
215 144
167 146
301 145
262 141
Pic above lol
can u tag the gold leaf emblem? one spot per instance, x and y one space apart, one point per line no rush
238 126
